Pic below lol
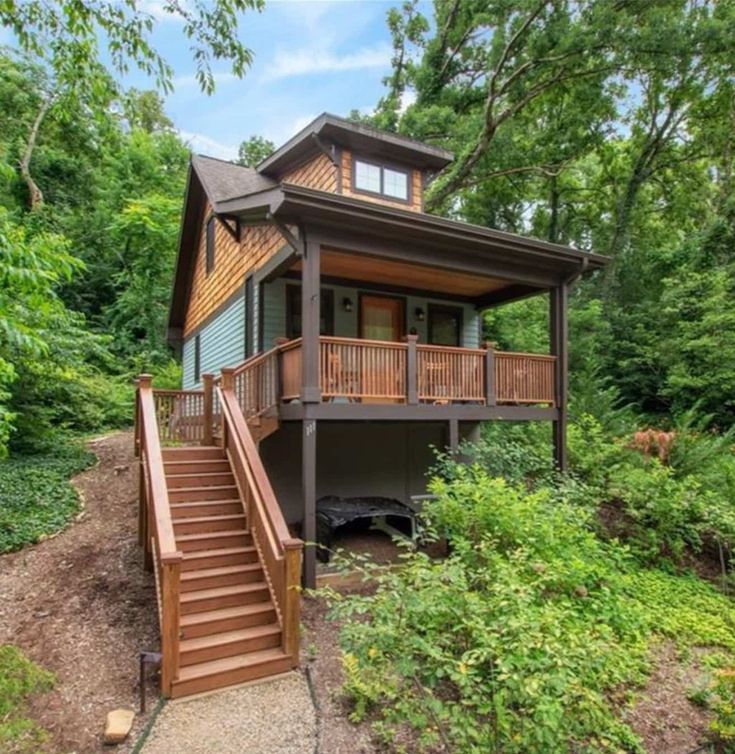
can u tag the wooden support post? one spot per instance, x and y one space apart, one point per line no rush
454 437
208 386
412 382
491 396
292 602
308 482
227 383
310 311
170 619
558 301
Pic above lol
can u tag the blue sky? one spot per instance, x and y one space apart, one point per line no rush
311 56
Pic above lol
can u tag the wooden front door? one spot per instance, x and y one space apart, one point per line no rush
381 318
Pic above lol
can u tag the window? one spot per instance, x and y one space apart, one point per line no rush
445 325
293 311
379 179
197 357
210 243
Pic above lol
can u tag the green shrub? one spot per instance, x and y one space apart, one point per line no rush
19 680
37 498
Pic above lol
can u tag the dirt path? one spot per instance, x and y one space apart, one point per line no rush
81 606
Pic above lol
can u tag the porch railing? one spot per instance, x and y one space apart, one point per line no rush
408 372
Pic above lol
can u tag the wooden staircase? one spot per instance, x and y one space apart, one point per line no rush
229 626
227 569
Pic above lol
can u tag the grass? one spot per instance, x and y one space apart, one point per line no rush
19 680
37 499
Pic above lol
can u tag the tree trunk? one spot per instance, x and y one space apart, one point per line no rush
34 192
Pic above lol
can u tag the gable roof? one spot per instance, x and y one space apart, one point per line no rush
223 181
359 137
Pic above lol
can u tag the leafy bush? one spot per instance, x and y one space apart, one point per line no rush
19 679
530 616
37 497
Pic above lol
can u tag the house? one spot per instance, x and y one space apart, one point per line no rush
330 333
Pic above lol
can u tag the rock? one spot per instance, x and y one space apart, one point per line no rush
119 723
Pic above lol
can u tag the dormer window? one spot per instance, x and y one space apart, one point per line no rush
375 178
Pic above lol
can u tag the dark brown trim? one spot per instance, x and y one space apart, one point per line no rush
381 165
250 347
308 493
197 357
422 412
558 300
232 224
506 295
401 299
260 345
310 315
447 309
210 241
338 157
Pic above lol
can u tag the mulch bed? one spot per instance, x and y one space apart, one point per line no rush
81 605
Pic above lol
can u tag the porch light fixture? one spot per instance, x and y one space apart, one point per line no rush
347 304
419 314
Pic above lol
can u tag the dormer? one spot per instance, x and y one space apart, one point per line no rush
344 157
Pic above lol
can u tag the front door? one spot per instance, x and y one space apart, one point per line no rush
381 318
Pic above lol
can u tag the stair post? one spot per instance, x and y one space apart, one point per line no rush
208 387
227 383
292 599
170 620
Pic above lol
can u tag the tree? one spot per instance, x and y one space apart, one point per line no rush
254 150
145 111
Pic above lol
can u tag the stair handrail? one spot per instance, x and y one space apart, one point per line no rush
280 552
157 531
255 362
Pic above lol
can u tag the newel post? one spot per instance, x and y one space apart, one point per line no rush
170 620
208 387
227 384
292 599
412 382
491 395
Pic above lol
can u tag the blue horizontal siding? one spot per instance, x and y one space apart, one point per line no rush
222 343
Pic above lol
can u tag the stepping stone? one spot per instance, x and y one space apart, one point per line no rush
119 723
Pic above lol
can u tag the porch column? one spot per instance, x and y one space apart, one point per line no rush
453 437
558 301
308 484
310 309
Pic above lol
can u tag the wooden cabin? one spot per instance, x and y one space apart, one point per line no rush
331 334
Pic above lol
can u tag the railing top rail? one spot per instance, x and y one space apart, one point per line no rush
167 391
254 361
295 343
159 491
450 349
540 356
262 486
362 342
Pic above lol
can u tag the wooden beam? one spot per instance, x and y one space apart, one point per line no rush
514 292
558 302
453 437
310 311
422 412
308 485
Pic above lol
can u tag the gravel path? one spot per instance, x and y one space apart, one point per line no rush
271 717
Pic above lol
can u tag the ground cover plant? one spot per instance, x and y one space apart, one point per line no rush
37 498
539 610
19 680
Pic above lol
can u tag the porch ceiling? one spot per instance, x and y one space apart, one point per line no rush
362 268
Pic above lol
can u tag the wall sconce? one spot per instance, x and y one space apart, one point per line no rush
347 304
419 314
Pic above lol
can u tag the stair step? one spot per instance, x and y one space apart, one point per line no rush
192 453
207 578
204 524
224 596
200 479
193 465
199 494
213 540
196 560
215 646
228 671
206 508
226 619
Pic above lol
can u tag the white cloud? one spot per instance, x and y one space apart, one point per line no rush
286 64
206 145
